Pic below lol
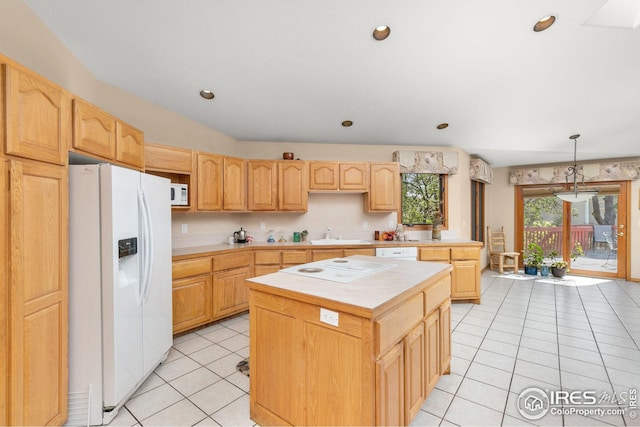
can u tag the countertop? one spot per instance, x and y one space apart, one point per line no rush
368 293
224 247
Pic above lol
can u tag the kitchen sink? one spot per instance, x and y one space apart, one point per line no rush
339 242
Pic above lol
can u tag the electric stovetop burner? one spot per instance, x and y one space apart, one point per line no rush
310 270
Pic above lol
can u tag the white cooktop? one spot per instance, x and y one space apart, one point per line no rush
343 270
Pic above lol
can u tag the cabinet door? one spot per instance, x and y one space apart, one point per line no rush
235 184
464 279
129 145
262 185
292 186
210 178
37 117
384 191
415 374
432 334
230 292
4 287
324 176
168 159
445 338
94 130
349 252
354 176
39 294
333 362
390 388
191 302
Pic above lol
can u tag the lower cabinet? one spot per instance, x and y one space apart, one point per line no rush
270 261
192 293
320 254
465 259
390 392
230 293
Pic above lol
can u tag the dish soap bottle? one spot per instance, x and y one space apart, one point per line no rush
271 239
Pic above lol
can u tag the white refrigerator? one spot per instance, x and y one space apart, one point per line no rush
120 325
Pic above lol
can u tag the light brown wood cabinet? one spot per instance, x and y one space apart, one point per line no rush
234 193
262 185
175 164
34 319
320 254
210 173
293 190
37 117
270 261
192 293
465 278
230 292
367 370
99 134
332 176
384 191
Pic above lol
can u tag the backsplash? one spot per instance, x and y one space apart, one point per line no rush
342 212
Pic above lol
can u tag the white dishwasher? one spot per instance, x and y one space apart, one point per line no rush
399 252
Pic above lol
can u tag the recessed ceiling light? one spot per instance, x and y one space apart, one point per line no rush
347 123
207 94
381 32
443 126
544 23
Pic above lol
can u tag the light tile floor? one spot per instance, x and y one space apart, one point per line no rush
524 334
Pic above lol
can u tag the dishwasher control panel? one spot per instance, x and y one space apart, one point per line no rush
407 252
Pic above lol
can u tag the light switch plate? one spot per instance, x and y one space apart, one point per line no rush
330 317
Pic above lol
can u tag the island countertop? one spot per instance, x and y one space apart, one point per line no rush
368 294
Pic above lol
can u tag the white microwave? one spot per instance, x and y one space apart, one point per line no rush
179 194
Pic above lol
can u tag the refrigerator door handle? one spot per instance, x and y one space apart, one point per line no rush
143 247
150 244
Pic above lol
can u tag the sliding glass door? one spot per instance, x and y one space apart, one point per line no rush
590 235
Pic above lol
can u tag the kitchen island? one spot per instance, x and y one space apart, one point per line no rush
366 352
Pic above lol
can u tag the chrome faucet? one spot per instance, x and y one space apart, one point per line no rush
328 234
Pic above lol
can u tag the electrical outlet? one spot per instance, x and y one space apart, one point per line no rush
365 225
330 317
184 228
262 226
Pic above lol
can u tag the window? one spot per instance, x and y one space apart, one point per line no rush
423 195
477 211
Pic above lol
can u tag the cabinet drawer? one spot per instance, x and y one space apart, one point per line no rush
267 257
465 253
225 262
294 257
437 293
392 326
434 254
191 267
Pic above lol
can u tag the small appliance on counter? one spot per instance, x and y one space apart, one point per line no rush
240 236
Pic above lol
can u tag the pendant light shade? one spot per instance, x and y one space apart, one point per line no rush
575 195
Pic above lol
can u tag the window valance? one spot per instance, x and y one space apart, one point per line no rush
593 172
479 170
440 162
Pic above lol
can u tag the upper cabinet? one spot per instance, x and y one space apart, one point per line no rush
37 117
129 145
94 131
293 190
99 134
210 177
173 163
234 184
384 193
262 185
332 176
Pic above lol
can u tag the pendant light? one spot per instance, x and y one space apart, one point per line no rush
574 195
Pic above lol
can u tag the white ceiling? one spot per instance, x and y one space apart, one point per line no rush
293 70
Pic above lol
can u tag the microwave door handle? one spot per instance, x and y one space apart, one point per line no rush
173 193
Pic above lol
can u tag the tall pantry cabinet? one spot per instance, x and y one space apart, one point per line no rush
35 131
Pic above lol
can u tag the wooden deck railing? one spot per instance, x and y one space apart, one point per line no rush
550 238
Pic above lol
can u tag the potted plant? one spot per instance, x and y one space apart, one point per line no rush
559 267
533 257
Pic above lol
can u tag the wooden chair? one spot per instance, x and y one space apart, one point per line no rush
498 254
